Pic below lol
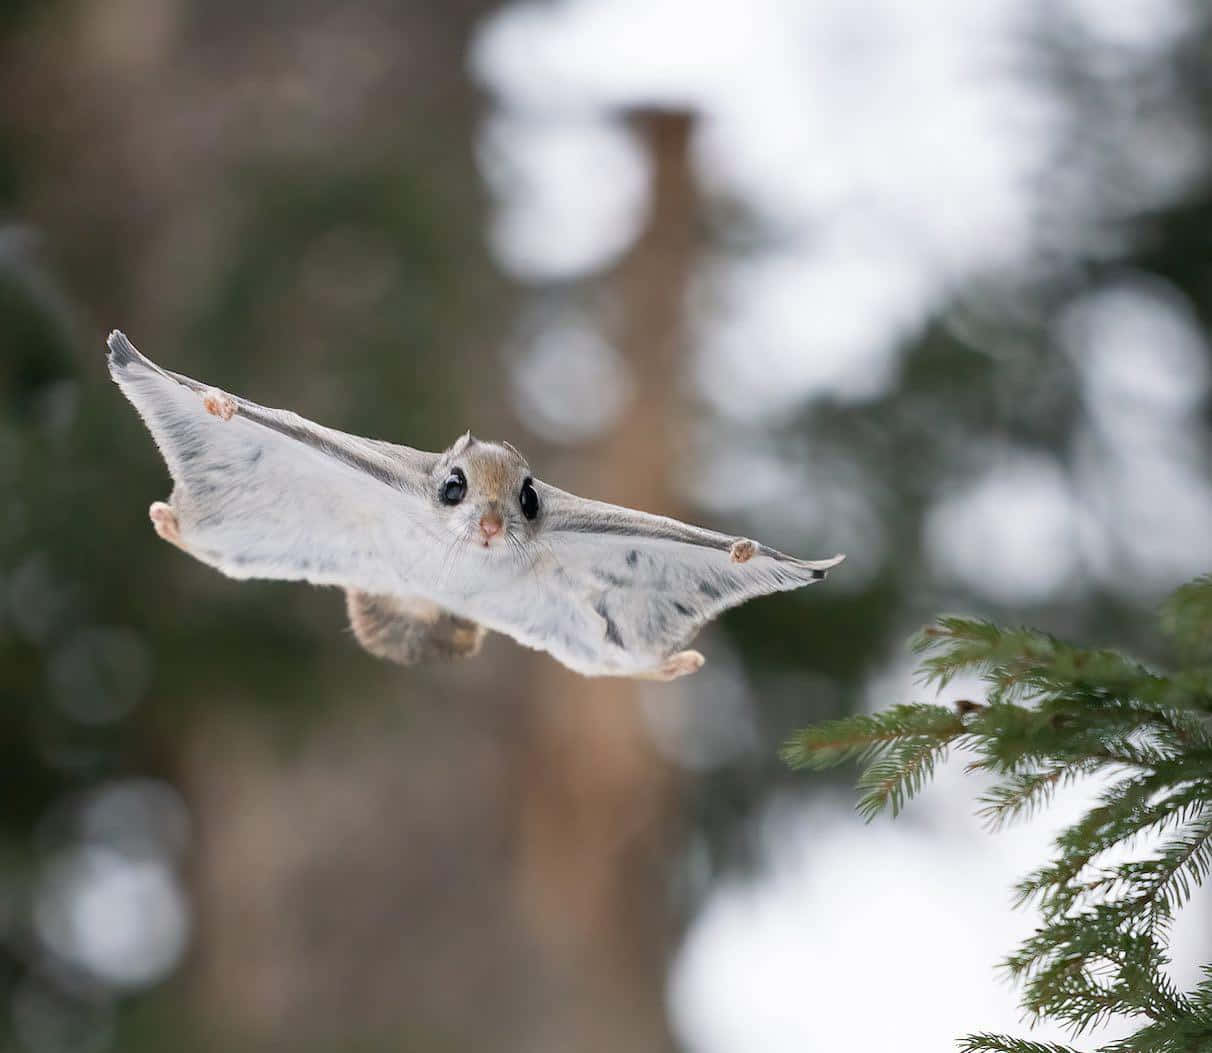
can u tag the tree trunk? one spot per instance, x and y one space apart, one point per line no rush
599 808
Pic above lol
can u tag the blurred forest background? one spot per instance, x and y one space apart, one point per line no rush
929 284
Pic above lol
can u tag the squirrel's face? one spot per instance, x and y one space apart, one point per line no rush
485 494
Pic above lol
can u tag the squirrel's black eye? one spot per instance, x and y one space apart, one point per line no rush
529 500
455 487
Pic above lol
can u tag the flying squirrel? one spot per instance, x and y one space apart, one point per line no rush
433 549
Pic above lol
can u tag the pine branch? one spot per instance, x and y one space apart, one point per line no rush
988 1043
1183 864
1090 966
1178 1036
972 645
1127 810
1026 663
900 748
898 774
1025 792
861 738
1054 714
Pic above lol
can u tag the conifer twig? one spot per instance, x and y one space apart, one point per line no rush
1055 713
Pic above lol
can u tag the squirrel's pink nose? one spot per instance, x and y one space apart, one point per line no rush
490 526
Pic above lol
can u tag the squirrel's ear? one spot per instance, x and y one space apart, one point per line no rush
460 444
514 450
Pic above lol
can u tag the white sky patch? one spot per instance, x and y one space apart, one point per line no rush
1013 535
572 194
897 118
1142 359
1158 510
826 319
902 115
1144 369
582 54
